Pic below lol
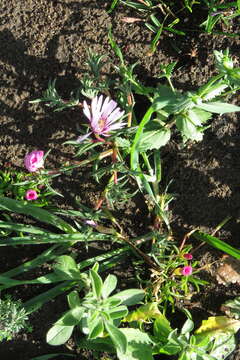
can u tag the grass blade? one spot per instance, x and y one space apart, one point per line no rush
217 243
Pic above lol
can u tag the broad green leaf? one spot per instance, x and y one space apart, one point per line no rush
109 285
130 297
139 345
161 328
218 107
218 324
71 317
188 129
59 334
96 283
153 139
144 313
117 336
73 299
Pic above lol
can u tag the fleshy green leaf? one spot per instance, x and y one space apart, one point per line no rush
59 334
187 327
118 312
96 328
73 299
130 297
109 285
72 317
117 336
96 283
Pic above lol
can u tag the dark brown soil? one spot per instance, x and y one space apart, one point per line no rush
45 39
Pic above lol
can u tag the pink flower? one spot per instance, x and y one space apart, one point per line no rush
34 160
103 116
90 223
31 195
186 270
188 256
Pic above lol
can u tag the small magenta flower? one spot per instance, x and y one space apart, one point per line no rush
31 195
103 117
186 270
34 160
188 256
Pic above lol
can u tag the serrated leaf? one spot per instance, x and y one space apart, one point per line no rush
121 142
214 91
188 129
199 116
139 345
218 324
154 139
109 285
161 328
59 334
219 107
118 337
144 313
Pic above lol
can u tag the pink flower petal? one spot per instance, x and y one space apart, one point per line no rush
86 110
187 270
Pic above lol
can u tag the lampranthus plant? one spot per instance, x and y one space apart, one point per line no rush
103 116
